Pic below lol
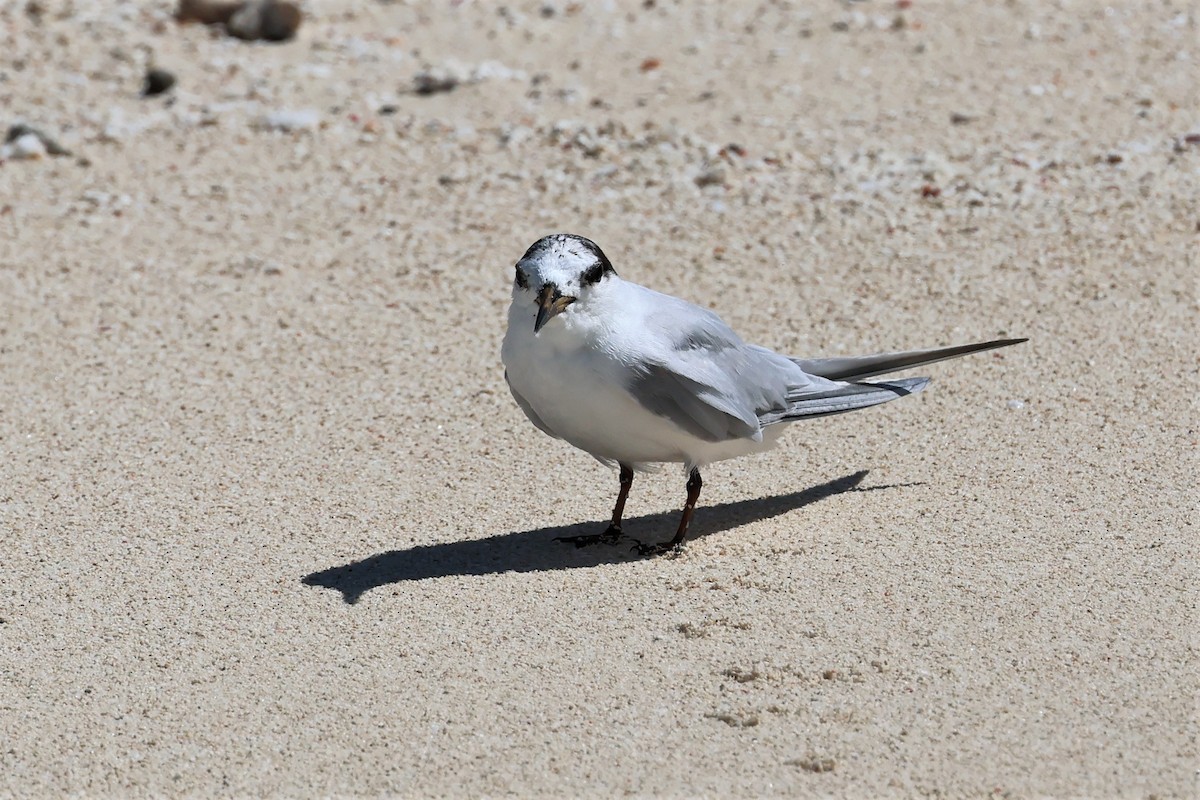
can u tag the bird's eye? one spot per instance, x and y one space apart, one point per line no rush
593 274
522 281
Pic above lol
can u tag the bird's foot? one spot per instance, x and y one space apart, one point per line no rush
611 535
659 549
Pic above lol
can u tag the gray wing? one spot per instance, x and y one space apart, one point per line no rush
708 381
528 409
716 387
717 415
698 409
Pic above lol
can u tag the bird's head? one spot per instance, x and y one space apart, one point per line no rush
556 271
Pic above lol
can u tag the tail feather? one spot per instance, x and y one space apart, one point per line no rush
856 368
850 397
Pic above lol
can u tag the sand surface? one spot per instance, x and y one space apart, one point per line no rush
270 523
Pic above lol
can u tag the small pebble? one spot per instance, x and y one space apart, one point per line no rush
156 82
46 144
269 20
710 177
427 83
1016 404
23 147
206 12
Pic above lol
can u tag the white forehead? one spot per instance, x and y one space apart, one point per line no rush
559 259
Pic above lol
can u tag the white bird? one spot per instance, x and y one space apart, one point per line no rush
635 377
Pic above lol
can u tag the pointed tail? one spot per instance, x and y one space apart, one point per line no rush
856 368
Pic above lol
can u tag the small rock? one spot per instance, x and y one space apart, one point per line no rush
1016 404
429 82
156 82
18 141
206 12
28 146
452 75
710 177
269 20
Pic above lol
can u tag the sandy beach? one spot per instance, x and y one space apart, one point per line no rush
272 525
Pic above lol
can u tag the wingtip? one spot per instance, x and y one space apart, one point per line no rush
908 386
857 368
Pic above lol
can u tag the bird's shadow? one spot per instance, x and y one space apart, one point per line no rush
536 550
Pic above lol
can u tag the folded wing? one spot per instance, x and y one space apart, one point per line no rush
717 388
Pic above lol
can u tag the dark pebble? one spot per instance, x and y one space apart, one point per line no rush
425 84
280 21
157 81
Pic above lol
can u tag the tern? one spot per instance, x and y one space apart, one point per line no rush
638 378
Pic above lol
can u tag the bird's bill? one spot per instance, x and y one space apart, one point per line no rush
551 303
